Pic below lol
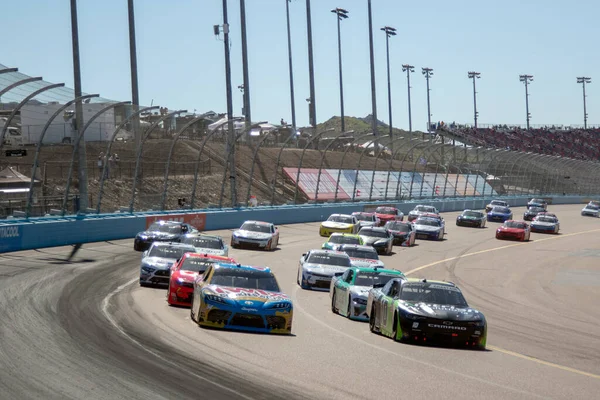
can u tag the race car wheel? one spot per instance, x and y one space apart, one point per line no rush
372 327
333 299
192 316
395 329
349 310
233 245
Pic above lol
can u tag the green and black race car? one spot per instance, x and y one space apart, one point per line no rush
422 311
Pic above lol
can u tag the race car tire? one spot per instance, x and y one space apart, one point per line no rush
349 310
192 316
299 280
143 284
333 298
395 329
233 245
372 327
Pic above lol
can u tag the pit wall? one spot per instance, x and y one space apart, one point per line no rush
52 231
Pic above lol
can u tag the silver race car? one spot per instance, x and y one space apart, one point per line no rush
429 228
207 244
380 238
545 224
421 209
590 211
157 261
317 267
362 256
256 234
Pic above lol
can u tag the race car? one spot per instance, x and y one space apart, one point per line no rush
241 297
594 203
210 244
184 273
537 203
434 216
590 210
157 261
317 267
429 228
518 230
403 233
496 203
424 311
380 238
349 291
471 218
532 212
161 231
256 234
338 239
420 209
386 214
366 219
545 224
547 214
343 223
362 256
499 214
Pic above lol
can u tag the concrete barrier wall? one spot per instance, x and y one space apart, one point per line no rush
43 232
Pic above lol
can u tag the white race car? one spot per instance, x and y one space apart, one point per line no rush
590 210
318 267
362 256
256 234
207 244
155 269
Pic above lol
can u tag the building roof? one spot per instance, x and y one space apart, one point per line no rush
12 177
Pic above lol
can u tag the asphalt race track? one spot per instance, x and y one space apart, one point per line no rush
85 329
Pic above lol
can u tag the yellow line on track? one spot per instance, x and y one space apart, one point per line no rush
498 349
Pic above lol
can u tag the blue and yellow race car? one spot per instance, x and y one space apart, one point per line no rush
241 297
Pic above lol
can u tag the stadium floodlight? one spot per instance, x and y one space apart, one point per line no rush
474 75
408 69
428 73
341 15
583 80
526 79
389 31
290 66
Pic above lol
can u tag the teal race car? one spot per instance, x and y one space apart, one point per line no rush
337 240
349 290
423 311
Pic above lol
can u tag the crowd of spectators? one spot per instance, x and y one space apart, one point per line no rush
559 141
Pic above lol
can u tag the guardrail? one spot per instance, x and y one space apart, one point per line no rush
52 231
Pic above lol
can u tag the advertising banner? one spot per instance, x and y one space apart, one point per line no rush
197 220
10 237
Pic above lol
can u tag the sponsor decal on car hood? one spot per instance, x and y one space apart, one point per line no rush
335 225
253 295
252 235
427 228
441 311
511 230
159 262
365 262
324 269
204 250
157 235
369 240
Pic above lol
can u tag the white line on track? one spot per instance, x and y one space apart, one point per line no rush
105 304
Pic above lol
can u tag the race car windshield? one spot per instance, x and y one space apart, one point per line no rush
372 278
169 252
256 228
373 233
425 209
546 219
329 259
340 218
195 264
428 222
398 226
357 253
474 214
514 224
433 294
536 209
245 279
502 210
364 217
539 201
204 242
592 207
165 228
339 239
498 203
386 210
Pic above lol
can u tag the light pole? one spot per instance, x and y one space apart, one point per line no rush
408 69
312 110
526 79
372 62
428 72
389 31
289 39
247 113
341 14
474 75
583 80
135 95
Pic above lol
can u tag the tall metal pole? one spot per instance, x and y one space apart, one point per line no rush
389 31
230 127
526 79
247 113
474 75
583 80
312 108
82 175
428 72
372 62
291 66
135 95
408 69
340 15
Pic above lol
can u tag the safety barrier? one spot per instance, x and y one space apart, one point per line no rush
52 231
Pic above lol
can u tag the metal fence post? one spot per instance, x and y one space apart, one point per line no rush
315 137
80 135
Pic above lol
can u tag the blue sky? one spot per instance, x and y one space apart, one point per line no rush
181 62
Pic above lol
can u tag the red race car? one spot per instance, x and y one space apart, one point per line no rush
386 214
516 230
185 271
